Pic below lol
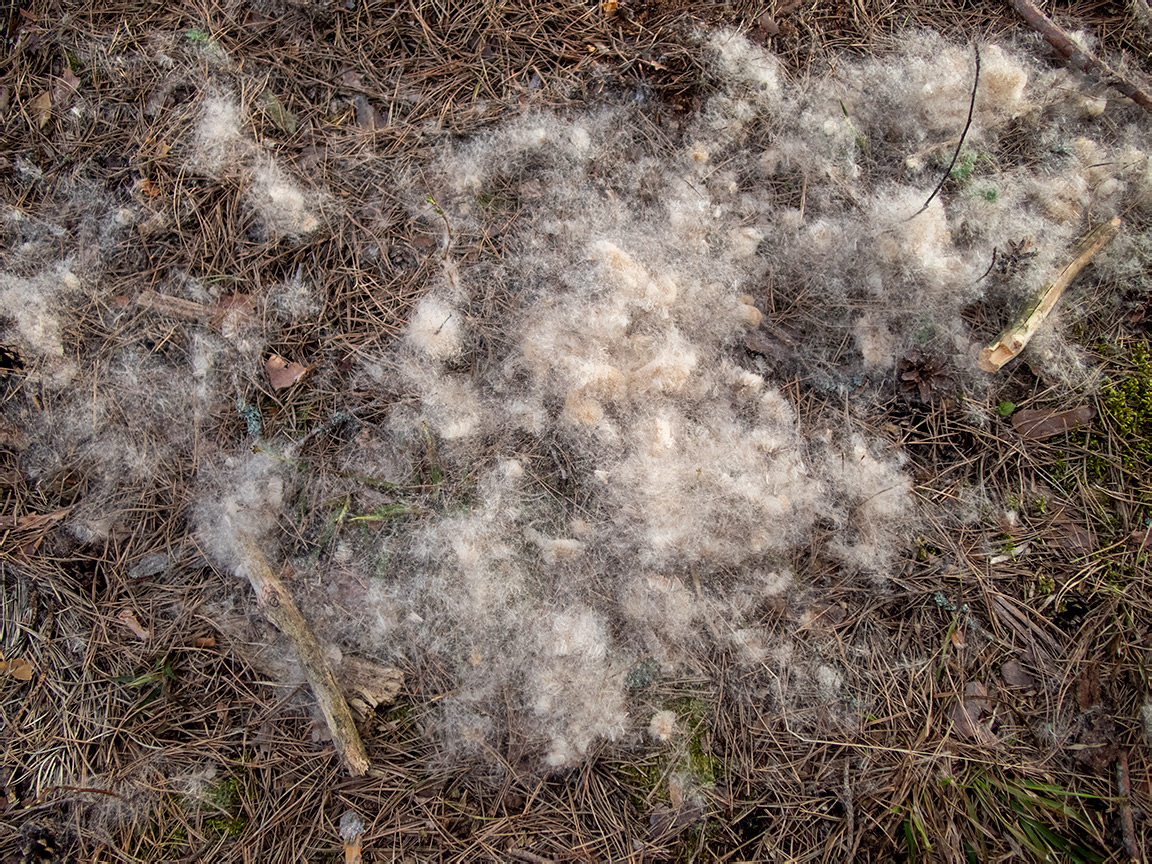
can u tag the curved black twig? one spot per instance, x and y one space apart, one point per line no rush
959 144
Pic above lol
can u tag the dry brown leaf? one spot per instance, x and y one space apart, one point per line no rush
42 109
66 86
20 669
1036 424
235 310
968 714
31 522
368 116
768 24
1068 534
283 373
1015 675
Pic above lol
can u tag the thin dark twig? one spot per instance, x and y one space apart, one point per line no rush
959 144
984 275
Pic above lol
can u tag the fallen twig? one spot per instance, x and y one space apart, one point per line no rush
277 603
959 142
1017 335
1083 60
352 834
1127 824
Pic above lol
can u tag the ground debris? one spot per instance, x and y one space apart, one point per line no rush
1040 423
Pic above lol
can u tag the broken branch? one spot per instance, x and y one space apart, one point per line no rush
1017 335
277 603
1081 59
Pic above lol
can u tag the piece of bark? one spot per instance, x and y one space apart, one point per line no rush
1037 424
1018 334
1083 60
368 685
277 604
176 307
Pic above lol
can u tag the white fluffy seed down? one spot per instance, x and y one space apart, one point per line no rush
603 417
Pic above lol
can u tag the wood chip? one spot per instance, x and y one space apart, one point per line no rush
352 835
129 620
1018 334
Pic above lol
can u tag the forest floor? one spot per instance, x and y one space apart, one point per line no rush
133 728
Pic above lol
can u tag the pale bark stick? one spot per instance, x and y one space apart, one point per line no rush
1083 60
1013 340
277 604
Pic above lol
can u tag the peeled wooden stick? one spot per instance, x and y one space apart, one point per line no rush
275 601
1012 341
352 833
1083 60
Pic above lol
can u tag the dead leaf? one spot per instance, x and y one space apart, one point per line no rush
42 109
235 310
1015 675
968 715
66 86
20 669
665 823
367 115
1089 693
237 303
147 188
31 522
759 342
312 156
768 24
283 373
1040 423
351 79
129 620
1015 553
1069 534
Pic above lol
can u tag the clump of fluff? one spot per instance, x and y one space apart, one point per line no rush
32 305
239 507
629 362
221 147
219 143
285 208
